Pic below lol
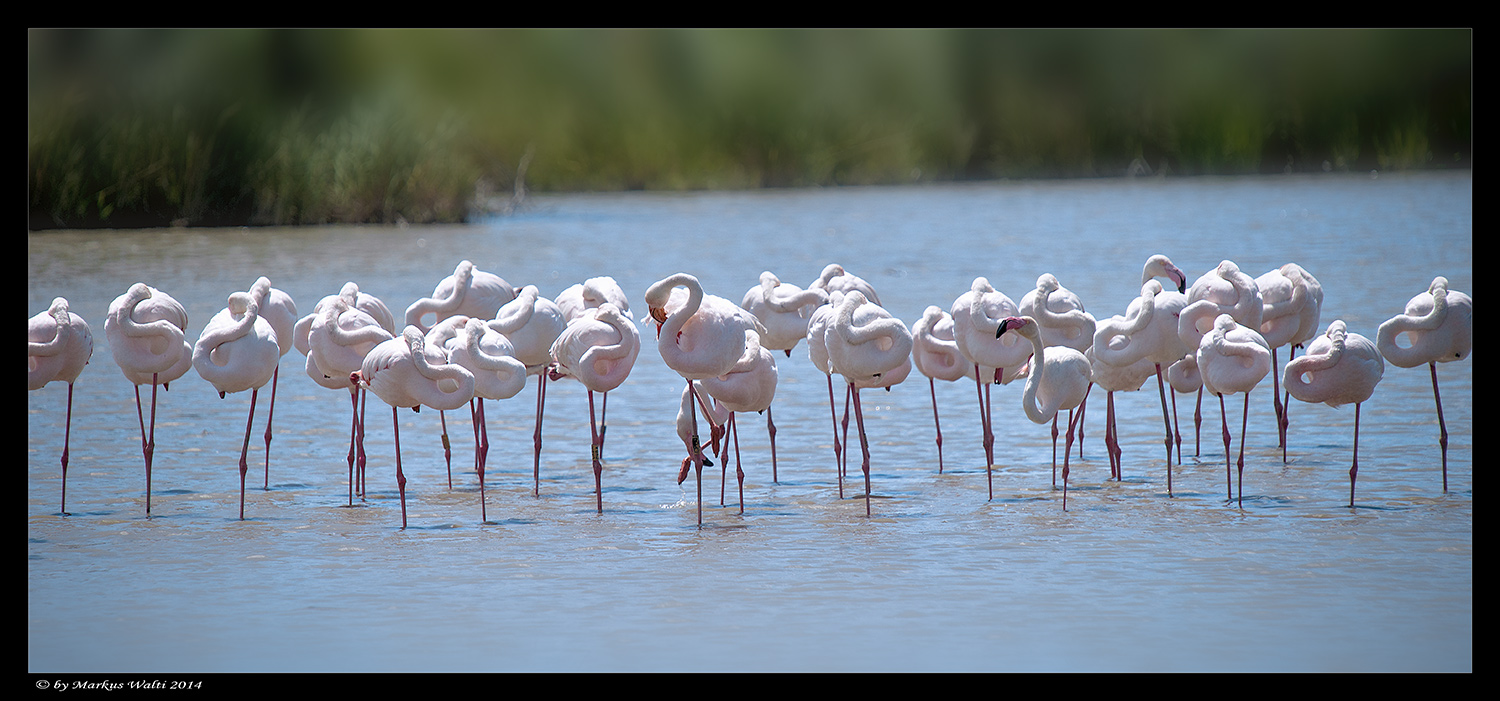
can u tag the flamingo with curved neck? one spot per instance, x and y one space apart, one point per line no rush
1233 359
1293 301
532 323
1059 378
1339 368
976 319
1439 328
935 353
870 348
145 330
339 336
467 292
238 351
59 344
598 349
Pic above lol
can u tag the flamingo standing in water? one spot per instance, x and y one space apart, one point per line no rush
1233 359
749 386
1063 322
1058 378
1148 331
1223 290
145 330
338 338
1439 328
490 357
532 323
784 310
400 372
835 279
976 322
280 310
59 344
578 300
1338 368
1293 300
870 348
238 351
818 324
1113 378
599 350
699 336
935 353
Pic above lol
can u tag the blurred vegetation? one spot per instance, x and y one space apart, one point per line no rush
133 128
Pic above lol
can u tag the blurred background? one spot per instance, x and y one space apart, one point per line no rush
193 127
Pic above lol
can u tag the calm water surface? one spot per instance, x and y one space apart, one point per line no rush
939 578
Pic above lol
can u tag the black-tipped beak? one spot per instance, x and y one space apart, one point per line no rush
1003 326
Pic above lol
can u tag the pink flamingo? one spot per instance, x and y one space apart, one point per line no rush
783 309
238 351
490 357
835 279
1439 328
1293 300
401 372
532 323
579 299
818 324
59 344
468 292
936 355
1063 322
145 331
1058 378
598 349
1112 378
278 309
1339 368
869 348
338 338
699 336
749 386
1233 359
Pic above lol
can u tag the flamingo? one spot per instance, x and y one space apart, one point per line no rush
749 386
1184 378
818 324
280 310
238 351
145 330
468 291
1233 359
59 344
976 321
532 323
1058 378
402 374
1063 322
869 348
577 300
339 337
784 310
835 279
1339 368
599 350
1293 300
699 336
1112 378
490 357
936 355
1439 328
1147 331
1223 290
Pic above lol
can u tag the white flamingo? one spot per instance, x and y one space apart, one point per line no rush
1233 359
598 349
749 386
1113 378
935 353
532 323
1058 378
145 330
238 351
579 299
490 357
1439 328
1339 368
338 338
1063 322
835 279
869 348
784 310
976 320
59 344
280 310
468 292
1293 301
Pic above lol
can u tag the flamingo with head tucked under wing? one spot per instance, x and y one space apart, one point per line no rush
1233 359
145 331
870 348
598 349
532 323
1339 368
238 351
59 344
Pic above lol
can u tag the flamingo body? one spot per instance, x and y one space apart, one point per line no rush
783 309
468 292
59 345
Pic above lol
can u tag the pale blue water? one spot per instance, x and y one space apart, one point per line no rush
938 580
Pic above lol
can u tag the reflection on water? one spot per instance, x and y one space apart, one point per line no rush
937 579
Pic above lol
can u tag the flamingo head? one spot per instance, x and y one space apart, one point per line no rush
1013 322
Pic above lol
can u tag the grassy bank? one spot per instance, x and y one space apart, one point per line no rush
214 127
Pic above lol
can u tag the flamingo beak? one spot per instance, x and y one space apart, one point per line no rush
1004 326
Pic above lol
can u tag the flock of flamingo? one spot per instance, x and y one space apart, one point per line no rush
486 339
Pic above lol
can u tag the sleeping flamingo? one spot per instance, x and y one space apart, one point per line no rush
1058 378
1439 328
599 350
784 310
577 300
145 331
818 324
936 355
490 357
835 279
532 323
1233 359
1148 331
238 351
1063 322
699 336
976 321
468 291
338 338
278 309
59 344
870 348
401 373
1113 378
1293 300
1338 368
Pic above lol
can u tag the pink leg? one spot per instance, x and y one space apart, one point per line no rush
536 438
597 445
245 451
1112 437
483 451
1054 452
1176 428
864 447
1442 425
838 449
364 403
1197 425
353 434
1161 386
739 472
1276 403
1244 420
932 386
447 449
1228 472
603 425
771 431
400 476
271 416
1354 469
697 449
67 431
1067 450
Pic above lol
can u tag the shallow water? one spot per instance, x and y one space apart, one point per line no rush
938 579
